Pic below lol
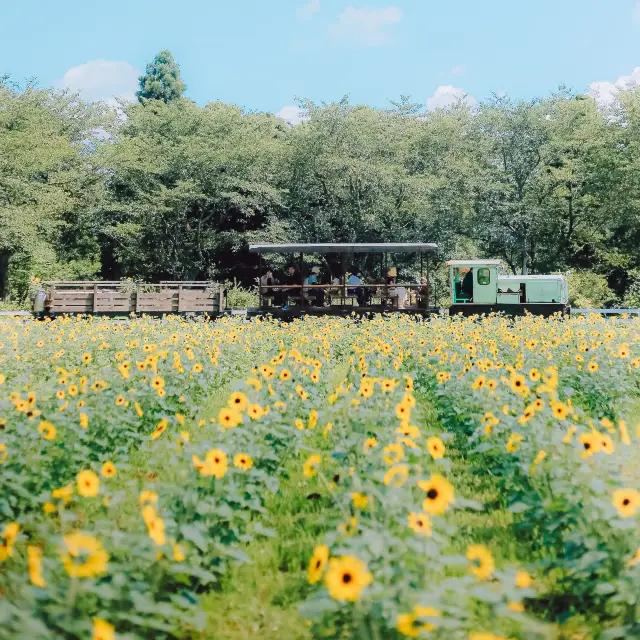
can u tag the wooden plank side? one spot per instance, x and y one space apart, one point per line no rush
112 301
71 301
72 295
155 302
195 301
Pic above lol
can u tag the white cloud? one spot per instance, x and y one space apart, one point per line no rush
605 92
306 12
365 26
458 69
446 96
292 114
102 80
636 11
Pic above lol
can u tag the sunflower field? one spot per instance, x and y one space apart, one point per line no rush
327 478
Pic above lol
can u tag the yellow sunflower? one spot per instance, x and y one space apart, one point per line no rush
403 412
359 500
482 563
83 556
626 501
34 564
108 470
420 523
216 462
560 410
88 484
47 430
102 630
393 453
346 578
408 624
435 447
590 444
396 476
518 384
317 563
229 417
238 401
243 461
369 443
440 494
311 465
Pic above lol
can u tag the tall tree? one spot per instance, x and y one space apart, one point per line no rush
162 79
507 220
49 184
185 186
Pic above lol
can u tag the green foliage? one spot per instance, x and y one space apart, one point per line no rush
161 80
588 290
239 297
173 190
49 185
186 184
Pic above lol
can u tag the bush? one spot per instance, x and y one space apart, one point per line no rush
588 290
239 297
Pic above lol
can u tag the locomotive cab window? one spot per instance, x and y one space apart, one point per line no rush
484 276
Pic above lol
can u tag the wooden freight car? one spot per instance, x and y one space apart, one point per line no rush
124 298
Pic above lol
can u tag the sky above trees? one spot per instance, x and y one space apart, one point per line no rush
262 55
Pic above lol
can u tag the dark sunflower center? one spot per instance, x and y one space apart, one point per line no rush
518 383
626 502
318 563
346 578
587 445
216 460
432 494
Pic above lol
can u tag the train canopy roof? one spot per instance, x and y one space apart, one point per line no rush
474 263
346 247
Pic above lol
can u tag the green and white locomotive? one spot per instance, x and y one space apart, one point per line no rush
477 286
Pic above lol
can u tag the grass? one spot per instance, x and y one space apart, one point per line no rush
261 599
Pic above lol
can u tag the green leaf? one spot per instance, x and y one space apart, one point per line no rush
194 534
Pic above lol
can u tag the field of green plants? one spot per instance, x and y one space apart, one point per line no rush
327 478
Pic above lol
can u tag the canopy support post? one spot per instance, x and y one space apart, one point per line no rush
260 282
302 280
343 289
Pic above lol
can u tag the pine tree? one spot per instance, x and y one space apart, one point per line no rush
162 79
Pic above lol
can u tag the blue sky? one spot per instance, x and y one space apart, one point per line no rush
262 55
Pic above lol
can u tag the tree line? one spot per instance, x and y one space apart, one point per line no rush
166 189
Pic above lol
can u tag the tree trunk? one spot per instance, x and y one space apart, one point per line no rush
4 275
524 257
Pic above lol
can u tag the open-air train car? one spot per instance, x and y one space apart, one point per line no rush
339 296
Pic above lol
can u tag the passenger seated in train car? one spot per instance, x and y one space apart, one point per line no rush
291 282
315 295
266 281
358 292
397 292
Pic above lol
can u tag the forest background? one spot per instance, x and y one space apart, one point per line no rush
165 189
